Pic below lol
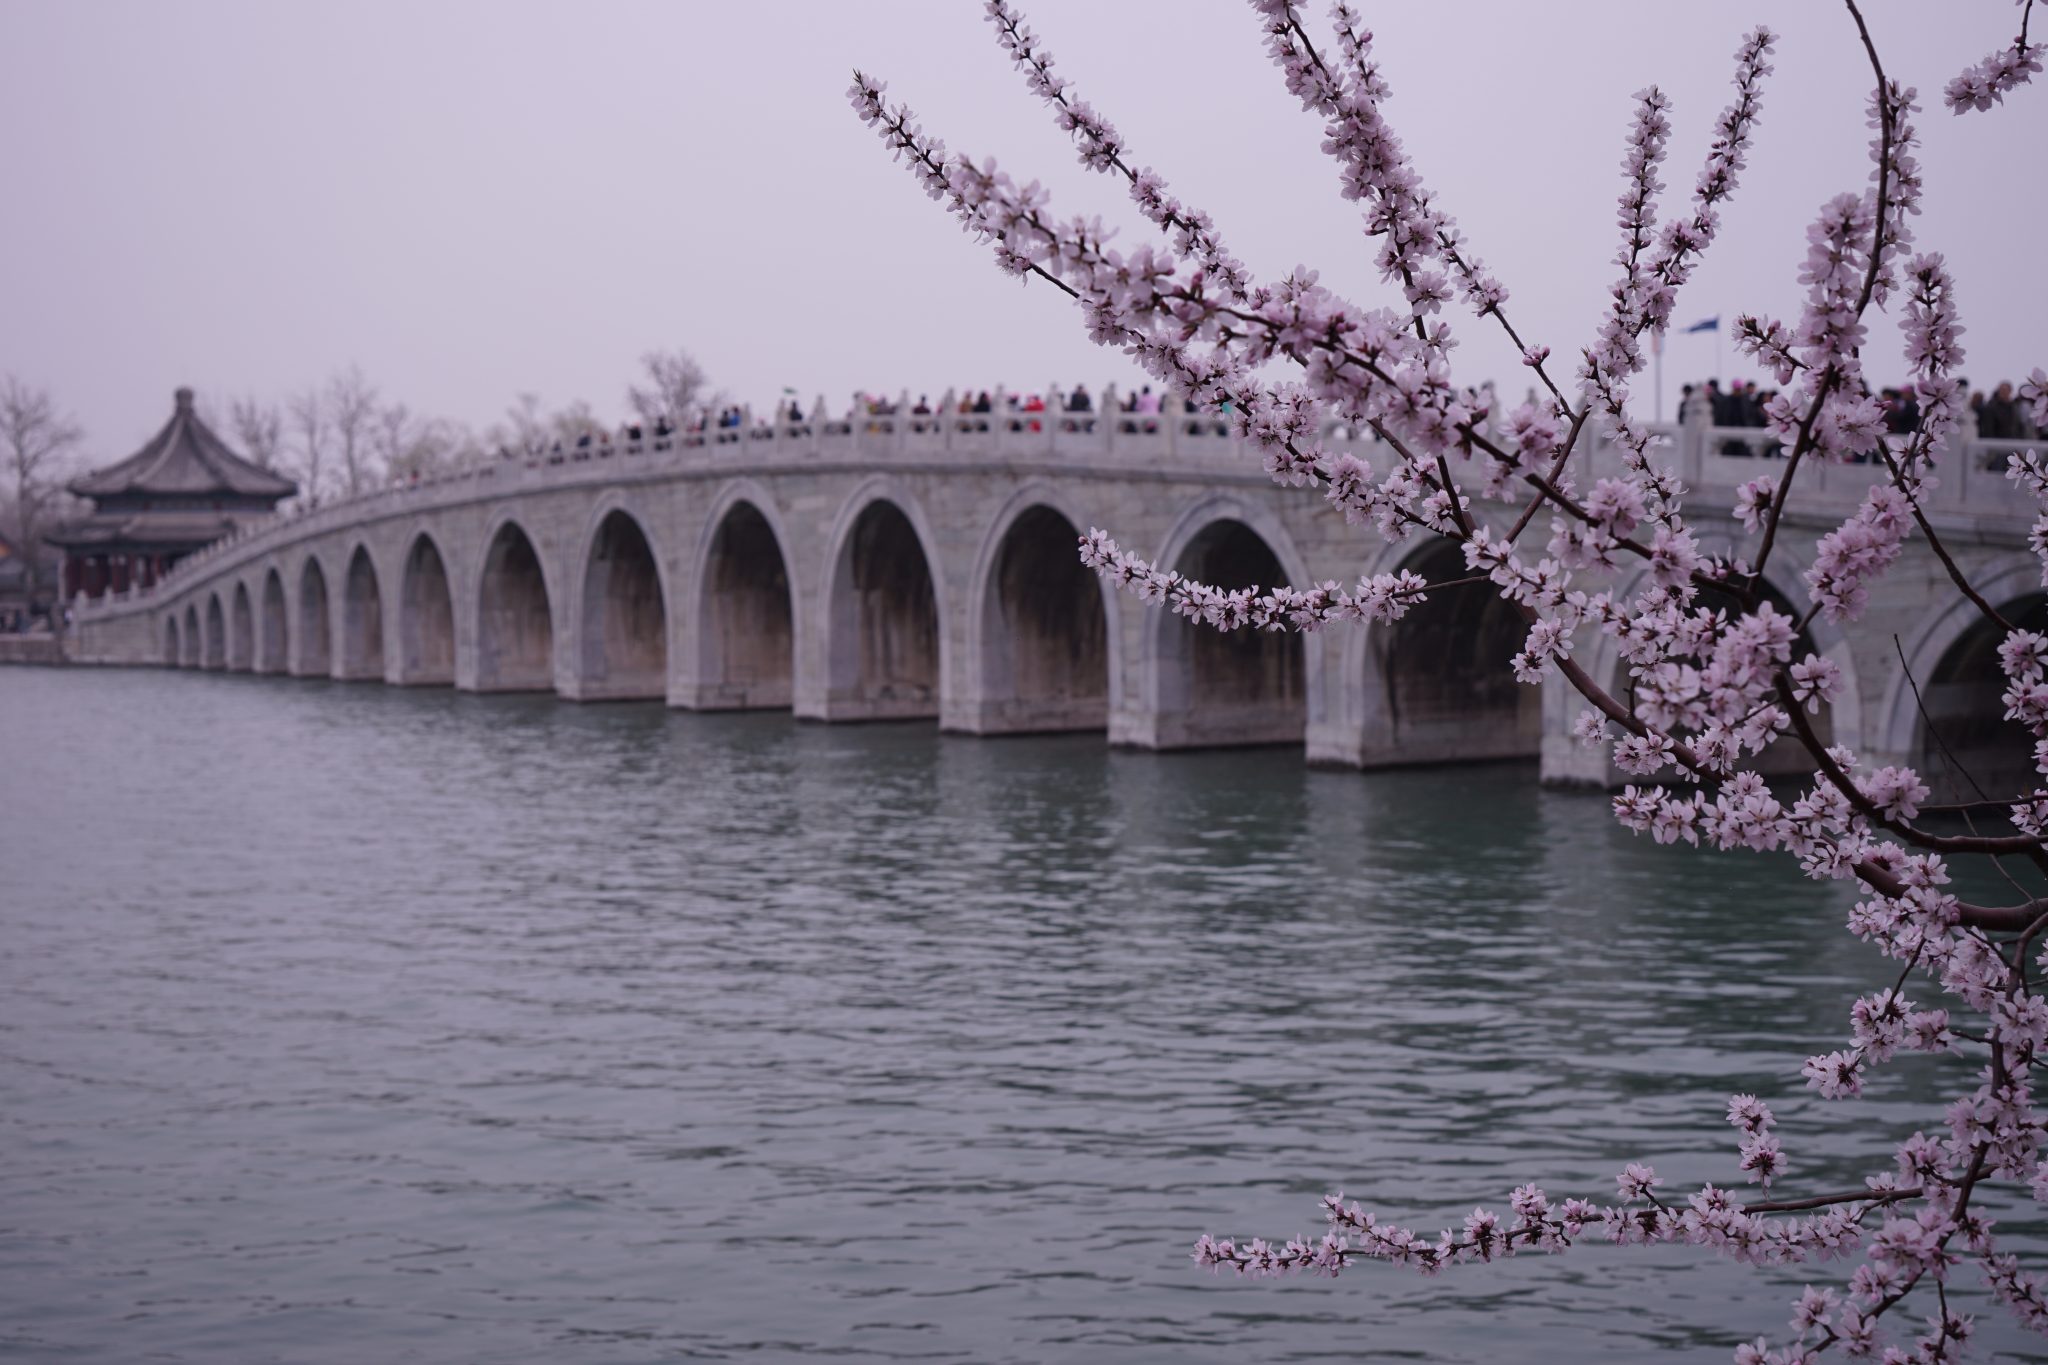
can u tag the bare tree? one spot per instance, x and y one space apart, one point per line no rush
439 444
34 439
308 414
259 426
529 424
414 447
393 431
533 427
352 409
571 422
494 441
469 448
676 389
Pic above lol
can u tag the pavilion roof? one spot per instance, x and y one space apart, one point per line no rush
187 459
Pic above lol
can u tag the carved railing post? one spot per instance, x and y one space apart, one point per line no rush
1692 440
949 420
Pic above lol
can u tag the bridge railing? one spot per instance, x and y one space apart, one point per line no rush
1713 461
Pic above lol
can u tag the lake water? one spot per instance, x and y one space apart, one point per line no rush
345 1023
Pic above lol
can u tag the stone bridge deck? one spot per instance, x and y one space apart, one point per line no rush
912 566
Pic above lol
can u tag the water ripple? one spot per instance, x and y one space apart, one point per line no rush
344 1023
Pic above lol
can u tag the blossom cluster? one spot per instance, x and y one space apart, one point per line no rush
1988 82
1102 149
1719 666
1382 598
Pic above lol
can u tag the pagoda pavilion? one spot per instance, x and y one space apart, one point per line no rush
182 491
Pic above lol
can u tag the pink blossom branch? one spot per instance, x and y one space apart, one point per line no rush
1103 149
1643 300
1986 83
1706 691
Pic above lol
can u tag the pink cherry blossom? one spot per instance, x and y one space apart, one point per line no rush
1713 670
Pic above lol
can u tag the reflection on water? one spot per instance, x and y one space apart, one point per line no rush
348 1023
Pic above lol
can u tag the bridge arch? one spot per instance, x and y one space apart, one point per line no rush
515 630
216 634
1043 631
885 642
1436 686
195 645
273 636
362 619
241 631
172 656
426 617
624 627
1212 689
316 625
746 621
1954 731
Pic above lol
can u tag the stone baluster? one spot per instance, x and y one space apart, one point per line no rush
858 419
1958 463
1692 441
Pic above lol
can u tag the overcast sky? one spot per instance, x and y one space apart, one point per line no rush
474 199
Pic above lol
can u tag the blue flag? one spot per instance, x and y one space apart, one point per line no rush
1712 324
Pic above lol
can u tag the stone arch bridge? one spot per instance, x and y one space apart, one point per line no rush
924 566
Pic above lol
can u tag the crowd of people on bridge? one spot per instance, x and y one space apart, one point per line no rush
1138 411
2000 417
1024 411
1740 405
